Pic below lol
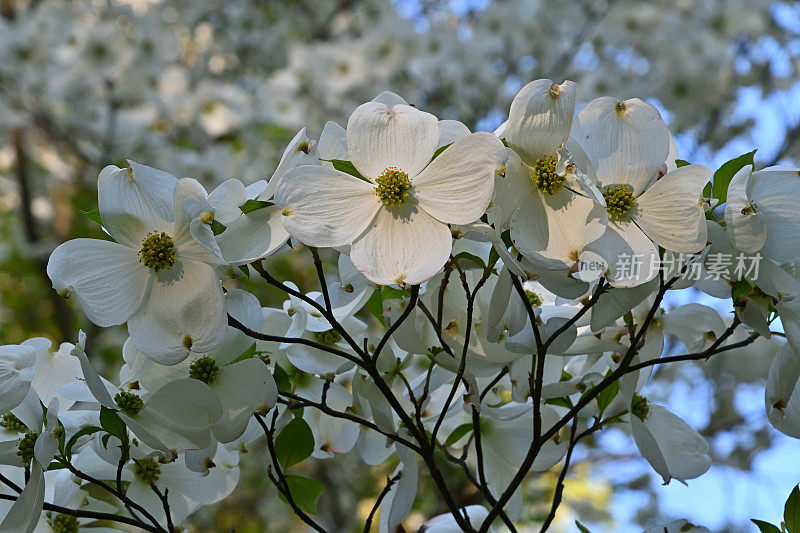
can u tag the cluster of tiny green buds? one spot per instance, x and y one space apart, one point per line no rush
544 176
534 299
25 447
147 469
328 337
619 201
393 186
640 407
435 350
750 209
565 376
64 523
12 423
129 403
158 251
205 369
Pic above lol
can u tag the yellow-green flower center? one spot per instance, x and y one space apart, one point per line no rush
619 201
328 337
640 406
64 523
534 299
750 209
12 423
158 251
393 186
205 369
129 403
544 176
25 447
147 469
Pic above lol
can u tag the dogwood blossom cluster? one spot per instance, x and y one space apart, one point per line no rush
492 299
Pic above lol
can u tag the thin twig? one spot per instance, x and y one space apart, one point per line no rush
95 515
164 497
389 482
296 340
297 402
281 482
557 495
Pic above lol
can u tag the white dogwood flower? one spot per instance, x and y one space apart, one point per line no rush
158 277
673 448
626 145
781 398
16 373
541 195
253 228
763 212
396 219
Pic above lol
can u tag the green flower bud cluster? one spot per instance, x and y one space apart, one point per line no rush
205 369
544 176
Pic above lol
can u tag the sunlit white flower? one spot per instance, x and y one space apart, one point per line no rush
252 225
673 448
626 145
542 192
763 212
158 276
396 219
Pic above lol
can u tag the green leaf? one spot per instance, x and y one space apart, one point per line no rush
389 293
245 270
218 227
766 527
73 439
294 443
561 402
681 163
305 492
608 394
112 423
506 236
253 205
440 150
348 168
493 256
791 512
723 175
468 257
247 354
457 434
282 379
582 528
740 288
94 215
375 305
615 420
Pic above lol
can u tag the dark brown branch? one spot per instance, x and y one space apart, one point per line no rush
389 482
281 482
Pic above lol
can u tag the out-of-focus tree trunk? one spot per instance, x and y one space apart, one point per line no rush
61 311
